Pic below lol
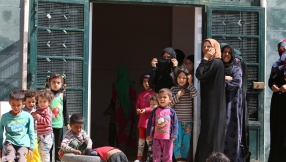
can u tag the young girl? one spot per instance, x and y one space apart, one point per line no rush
56 83
183 94
43 115
144 110
165 123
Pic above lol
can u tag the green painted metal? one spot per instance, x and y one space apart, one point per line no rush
256 128
182 2
34 56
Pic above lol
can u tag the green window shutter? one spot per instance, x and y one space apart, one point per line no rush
243 28
59 44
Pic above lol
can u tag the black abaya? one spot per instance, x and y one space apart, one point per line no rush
277 120
213 108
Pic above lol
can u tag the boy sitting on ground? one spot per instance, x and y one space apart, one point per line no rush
76 140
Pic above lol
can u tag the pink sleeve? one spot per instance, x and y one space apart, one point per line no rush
148 110
138 103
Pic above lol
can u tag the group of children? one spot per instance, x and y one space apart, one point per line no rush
165 117
31 132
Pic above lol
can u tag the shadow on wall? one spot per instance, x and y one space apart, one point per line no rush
10 68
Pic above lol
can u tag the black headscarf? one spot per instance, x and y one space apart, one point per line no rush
171 51
228 65
180 56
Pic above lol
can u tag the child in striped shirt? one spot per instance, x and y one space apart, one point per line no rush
76 140
43 115
183 93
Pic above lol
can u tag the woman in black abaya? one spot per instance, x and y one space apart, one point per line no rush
277 83
210 73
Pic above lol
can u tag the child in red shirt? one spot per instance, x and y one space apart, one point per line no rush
111 154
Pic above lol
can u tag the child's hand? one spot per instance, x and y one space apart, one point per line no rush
180 93
35 115
143 111
76 152
154 62
190 78
148 138
68 127
0 153
30 152
138 111
173 139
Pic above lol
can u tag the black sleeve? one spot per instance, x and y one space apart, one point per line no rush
152 78
65 111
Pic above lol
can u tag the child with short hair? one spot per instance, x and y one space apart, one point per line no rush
76 140
143 110
19 130
153 105
165 123
59 107
43 115
30 106
218 157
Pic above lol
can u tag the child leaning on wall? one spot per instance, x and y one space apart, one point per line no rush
30 106
19 130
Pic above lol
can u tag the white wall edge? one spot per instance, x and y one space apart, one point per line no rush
25 44
197 59
89 68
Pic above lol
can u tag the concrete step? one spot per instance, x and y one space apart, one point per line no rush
80 158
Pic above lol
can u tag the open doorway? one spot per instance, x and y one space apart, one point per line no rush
131 35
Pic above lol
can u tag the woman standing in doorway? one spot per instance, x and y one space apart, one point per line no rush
234 113
277 83
210 73
124 97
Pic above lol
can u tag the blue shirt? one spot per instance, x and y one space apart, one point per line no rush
19 130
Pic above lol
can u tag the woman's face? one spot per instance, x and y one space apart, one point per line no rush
166 56
182 79
190 65
226 55
206 46
282 48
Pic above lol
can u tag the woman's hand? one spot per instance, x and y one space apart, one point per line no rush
209 54
228 78
283 88
174 62
190 79
154 62
173 139
274 88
